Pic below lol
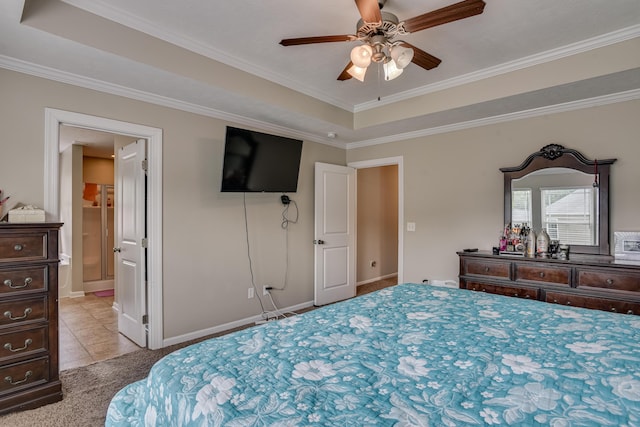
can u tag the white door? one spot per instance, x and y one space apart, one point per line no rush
335 204
129 249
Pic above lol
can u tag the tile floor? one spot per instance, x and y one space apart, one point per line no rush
89 331
89 328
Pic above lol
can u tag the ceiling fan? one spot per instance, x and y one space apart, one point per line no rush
378 31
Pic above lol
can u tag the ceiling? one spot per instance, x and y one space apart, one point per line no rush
222 59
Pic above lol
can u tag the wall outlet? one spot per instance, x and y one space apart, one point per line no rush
250 293
265 291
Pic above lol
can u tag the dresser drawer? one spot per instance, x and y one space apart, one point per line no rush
23 246
16 281
511 291
22 343
596 303
487 268
23 375
17 312
620 281
538 273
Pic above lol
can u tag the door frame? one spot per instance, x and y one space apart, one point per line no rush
53 119
388 161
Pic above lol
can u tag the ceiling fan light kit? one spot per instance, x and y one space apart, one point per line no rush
391 70
377 30
361 55
357 72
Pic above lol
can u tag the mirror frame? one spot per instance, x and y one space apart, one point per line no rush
557 156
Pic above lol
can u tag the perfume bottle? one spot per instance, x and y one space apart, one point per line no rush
542 243
531 243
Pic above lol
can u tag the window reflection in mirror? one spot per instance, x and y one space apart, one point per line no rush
561 200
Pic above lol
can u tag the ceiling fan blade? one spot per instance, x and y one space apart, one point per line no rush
422 58
344 75
369 11
456 11
319 39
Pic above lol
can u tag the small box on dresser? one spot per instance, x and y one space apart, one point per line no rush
29 375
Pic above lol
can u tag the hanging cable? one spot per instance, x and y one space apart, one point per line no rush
285 226
285 219
246 229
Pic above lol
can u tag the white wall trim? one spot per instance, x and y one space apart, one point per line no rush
228 326
387 161
629 95
614 37
53 119
375 279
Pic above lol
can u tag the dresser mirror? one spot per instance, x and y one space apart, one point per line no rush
562 191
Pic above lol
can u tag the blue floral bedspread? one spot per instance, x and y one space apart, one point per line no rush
409 355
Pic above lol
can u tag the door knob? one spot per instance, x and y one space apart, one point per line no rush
318 242
117 250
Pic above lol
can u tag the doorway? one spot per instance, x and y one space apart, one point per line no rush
387 174
53 119
377 224
88 320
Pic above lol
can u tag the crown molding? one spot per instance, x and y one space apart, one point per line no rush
100 8
519 64
93 84
535 112
126 92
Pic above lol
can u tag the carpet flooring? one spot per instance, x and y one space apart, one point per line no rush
88 390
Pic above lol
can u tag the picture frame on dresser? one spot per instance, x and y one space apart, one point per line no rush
627 245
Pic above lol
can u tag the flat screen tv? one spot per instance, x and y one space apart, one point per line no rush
259 162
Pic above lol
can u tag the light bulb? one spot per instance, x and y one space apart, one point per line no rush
401 55
361 55
391 71
357 72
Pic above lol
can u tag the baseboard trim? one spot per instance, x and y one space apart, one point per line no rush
98 285
228 326
375 279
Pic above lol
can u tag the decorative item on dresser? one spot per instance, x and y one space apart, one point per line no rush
590 277
29 374
585 281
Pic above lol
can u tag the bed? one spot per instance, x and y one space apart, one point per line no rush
408 355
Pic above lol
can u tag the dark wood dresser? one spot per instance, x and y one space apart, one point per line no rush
28 316
590 281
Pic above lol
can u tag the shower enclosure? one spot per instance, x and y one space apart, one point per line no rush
98 236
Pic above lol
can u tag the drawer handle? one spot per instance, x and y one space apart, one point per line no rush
609 281
9 379
568 302
9 347
527 296
542 274
473 289
17 247
613 310
27 282
555 301
515 295
486 269
630 312
9 316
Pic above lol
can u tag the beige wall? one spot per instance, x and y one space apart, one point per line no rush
453 188
205 265
452 191
377 223
97 170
